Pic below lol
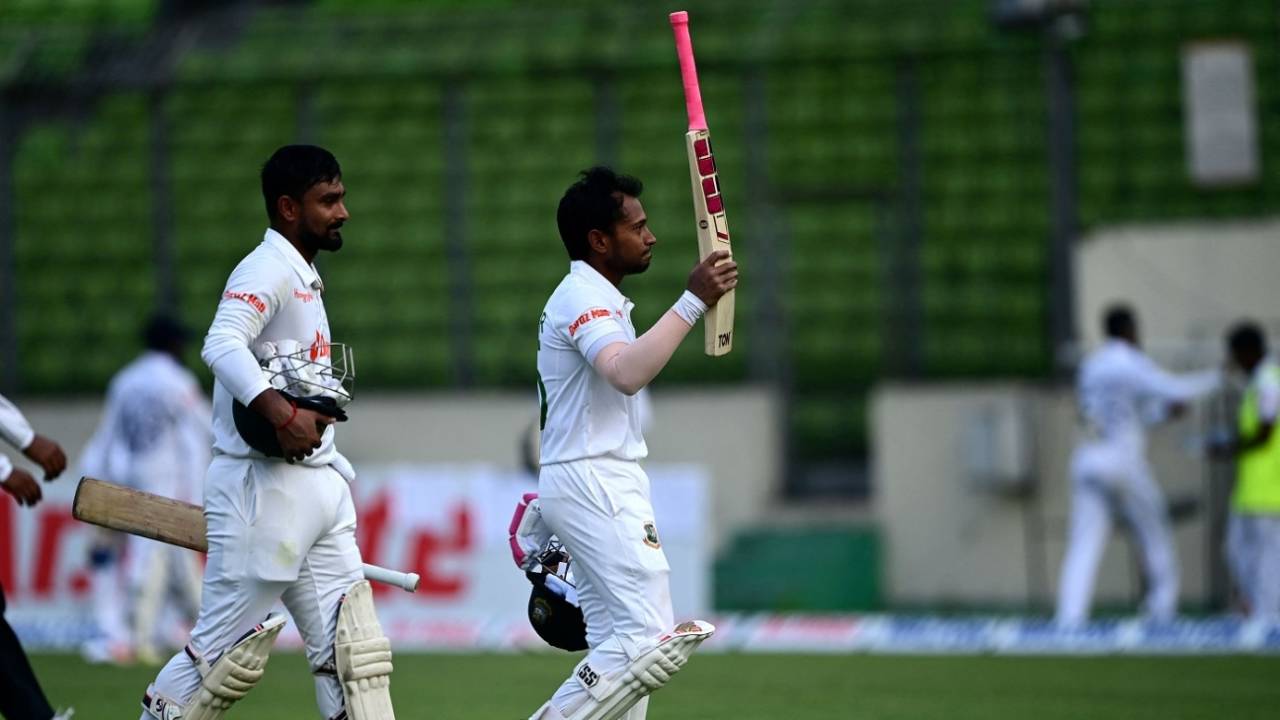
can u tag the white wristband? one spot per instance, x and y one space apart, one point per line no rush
689 307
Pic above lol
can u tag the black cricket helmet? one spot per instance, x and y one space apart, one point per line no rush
553 604
318 377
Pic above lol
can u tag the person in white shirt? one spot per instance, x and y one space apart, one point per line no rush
1120 392
20 692
594 495
154 435
279 528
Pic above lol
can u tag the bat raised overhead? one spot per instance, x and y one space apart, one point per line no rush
708 203
116 507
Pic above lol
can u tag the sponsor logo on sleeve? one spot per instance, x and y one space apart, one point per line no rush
305 297
586 317
254 301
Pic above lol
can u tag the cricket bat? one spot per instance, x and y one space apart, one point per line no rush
708 204
116 507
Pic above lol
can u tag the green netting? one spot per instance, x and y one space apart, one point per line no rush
527 95
82 247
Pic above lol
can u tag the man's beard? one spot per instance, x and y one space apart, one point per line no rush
634 267
331 240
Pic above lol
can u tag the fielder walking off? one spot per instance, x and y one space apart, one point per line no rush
1121 391
594 494
281 523
154 436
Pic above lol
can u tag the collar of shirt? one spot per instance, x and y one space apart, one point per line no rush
581 269
305 270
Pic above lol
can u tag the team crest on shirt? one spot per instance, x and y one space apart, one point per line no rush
651 535
319 347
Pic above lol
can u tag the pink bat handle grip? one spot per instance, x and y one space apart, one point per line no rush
688 71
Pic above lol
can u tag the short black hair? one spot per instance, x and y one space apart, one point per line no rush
163 332
1119 321
593 202
1247 337
293 170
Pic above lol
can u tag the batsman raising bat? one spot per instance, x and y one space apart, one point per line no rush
280 518
593 494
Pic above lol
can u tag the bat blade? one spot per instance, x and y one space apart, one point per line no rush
713 235
711 222
116 507
156 517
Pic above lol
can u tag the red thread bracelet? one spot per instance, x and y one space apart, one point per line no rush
282 425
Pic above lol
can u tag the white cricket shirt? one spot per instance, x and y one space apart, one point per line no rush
1263 379
1121 391
155 430
15 430
272 295
585 416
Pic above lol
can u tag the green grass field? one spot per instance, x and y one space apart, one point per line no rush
733 687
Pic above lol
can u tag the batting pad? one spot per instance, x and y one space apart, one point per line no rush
233 675
611 697
362 655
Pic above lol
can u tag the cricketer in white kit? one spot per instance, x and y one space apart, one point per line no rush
594 494
278 528
154 436
1120 392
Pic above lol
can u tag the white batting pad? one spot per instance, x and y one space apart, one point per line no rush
233 675
609 698
363 657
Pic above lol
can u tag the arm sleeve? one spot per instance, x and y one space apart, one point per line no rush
630 366
1268 401
6 468
1159 383
14 428
251 299
590 325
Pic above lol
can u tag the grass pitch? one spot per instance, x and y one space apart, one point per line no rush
733 687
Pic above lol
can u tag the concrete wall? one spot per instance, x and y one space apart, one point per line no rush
950 541
1188 281
735 433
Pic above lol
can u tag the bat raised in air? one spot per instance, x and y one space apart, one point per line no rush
116 507
708 204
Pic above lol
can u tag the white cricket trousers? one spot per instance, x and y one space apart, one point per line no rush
1253 554
276 532
1109 483
161 577
600 510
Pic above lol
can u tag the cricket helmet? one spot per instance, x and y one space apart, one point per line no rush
318 377
553 603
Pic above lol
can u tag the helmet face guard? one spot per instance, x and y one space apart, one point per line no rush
323 369
319 377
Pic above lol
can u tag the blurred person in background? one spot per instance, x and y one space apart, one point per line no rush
20 695
1121 391
155 436
1253 528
